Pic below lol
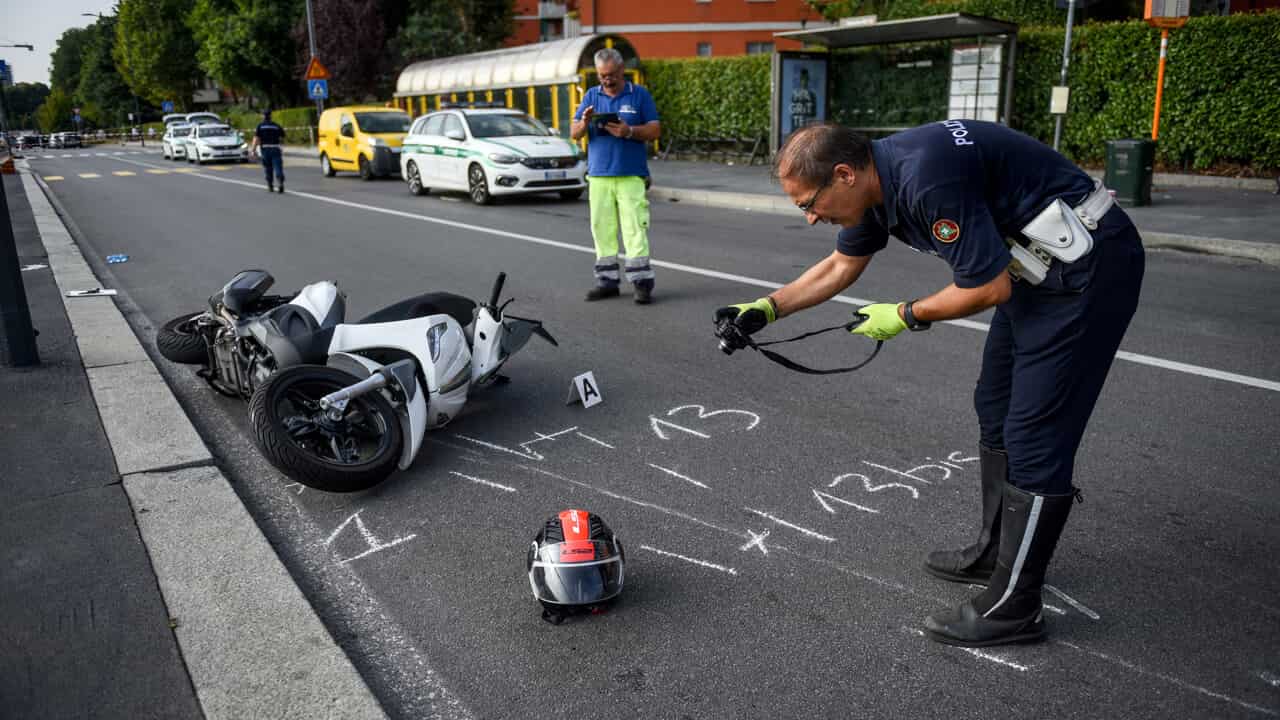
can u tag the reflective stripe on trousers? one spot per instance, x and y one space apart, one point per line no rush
620 204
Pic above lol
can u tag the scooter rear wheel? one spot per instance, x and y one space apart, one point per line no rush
348 454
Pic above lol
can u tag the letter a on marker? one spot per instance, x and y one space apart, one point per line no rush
585 390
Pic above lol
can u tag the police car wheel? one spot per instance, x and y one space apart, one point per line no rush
326 168
414 179
478 186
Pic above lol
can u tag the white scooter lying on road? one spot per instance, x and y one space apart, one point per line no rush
348 424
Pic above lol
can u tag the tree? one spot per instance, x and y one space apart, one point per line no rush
248 44
100 82
22 101
67 57
154 49
441 28
351 44
55 114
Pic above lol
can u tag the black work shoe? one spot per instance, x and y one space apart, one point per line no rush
271 188
281 190
643 295
600 293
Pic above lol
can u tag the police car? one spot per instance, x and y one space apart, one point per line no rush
488 153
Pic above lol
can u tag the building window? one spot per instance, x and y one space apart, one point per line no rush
704 49
759 48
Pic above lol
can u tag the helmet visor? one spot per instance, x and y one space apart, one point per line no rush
577 572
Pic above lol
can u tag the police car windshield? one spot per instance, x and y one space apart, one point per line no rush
217 131
493 126
383 122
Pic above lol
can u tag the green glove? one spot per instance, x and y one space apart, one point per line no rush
882 323
749 317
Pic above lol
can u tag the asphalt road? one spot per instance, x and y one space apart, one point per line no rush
775 523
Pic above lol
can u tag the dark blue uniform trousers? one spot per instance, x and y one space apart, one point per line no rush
272 163
1048 353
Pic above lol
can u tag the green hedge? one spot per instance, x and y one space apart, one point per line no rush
1220 104
246 119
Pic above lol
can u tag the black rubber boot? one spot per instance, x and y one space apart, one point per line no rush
975 563
600 293
1010 609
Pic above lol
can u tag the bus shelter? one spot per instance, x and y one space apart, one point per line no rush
882 77
546 80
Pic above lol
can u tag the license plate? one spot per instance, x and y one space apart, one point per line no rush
556 175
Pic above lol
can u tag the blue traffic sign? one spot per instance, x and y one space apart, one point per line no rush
166 106
318 89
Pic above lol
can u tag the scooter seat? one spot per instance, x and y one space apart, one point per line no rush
457 307
296 327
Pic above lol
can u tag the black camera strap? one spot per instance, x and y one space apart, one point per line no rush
793 365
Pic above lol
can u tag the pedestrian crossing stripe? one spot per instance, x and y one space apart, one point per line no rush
89 175
158 172
53 177
123 173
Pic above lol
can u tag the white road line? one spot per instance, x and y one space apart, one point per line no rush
483 482
675 474
695 561
1149 360
784 523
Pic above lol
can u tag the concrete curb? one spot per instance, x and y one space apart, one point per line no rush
252 643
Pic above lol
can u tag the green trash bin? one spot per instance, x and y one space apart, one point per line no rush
1129 170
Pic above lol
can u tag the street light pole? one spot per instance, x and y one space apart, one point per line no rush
1066 60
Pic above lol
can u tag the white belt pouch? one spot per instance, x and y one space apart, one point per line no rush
1061 232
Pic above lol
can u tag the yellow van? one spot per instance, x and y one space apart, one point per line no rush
362 138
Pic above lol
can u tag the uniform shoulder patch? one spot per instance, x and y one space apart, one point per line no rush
946 231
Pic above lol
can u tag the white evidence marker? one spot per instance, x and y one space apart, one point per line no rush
584 389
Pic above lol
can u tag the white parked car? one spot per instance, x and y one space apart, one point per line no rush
173 143
488 153
209 143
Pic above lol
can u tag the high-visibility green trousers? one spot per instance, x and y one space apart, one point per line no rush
620 203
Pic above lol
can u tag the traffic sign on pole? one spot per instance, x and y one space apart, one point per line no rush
316 71
166 106
318 89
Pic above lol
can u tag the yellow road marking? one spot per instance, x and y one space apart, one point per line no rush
221 167
89 175
52 177
186 170
158 172
123 173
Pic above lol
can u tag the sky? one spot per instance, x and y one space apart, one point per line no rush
31 22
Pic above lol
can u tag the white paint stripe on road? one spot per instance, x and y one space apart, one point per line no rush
705 272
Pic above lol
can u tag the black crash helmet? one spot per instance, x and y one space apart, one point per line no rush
575 563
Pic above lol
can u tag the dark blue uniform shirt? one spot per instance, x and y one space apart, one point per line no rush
956 189
608 156
269 133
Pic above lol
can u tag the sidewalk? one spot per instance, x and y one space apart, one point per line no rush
135 583
1196 213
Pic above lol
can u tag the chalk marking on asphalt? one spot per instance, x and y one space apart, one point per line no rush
1269 678
1053 608
820 495
675 474
655 422
695 561
1168 678
482 481
756 541
596 441
1140 359
976 652
375 545
899 472
866 483
784 523
527 455
541 436
1073 602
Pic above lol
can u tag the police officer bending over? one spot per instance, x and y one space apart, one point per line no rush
266 142
1025 231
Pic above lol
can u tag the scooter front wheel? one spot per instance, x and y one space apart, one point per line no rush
348 451
179 340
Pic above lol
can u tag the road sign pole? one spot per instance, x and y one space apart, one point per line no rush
311 39
20 337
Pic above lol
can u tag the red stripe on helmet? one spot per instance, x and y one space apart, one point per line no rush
576 525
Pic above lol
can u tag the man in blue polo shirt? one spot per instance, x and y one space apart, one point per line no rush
617 169
1025 231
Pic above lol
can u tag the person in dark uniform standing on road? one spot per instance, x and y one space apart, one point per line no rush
267 138
1025 231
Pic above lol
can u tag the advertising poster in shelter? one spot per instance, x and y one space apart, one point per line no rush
801 83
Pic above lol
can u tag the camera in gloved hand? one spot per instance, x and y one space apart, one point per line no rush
735 323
